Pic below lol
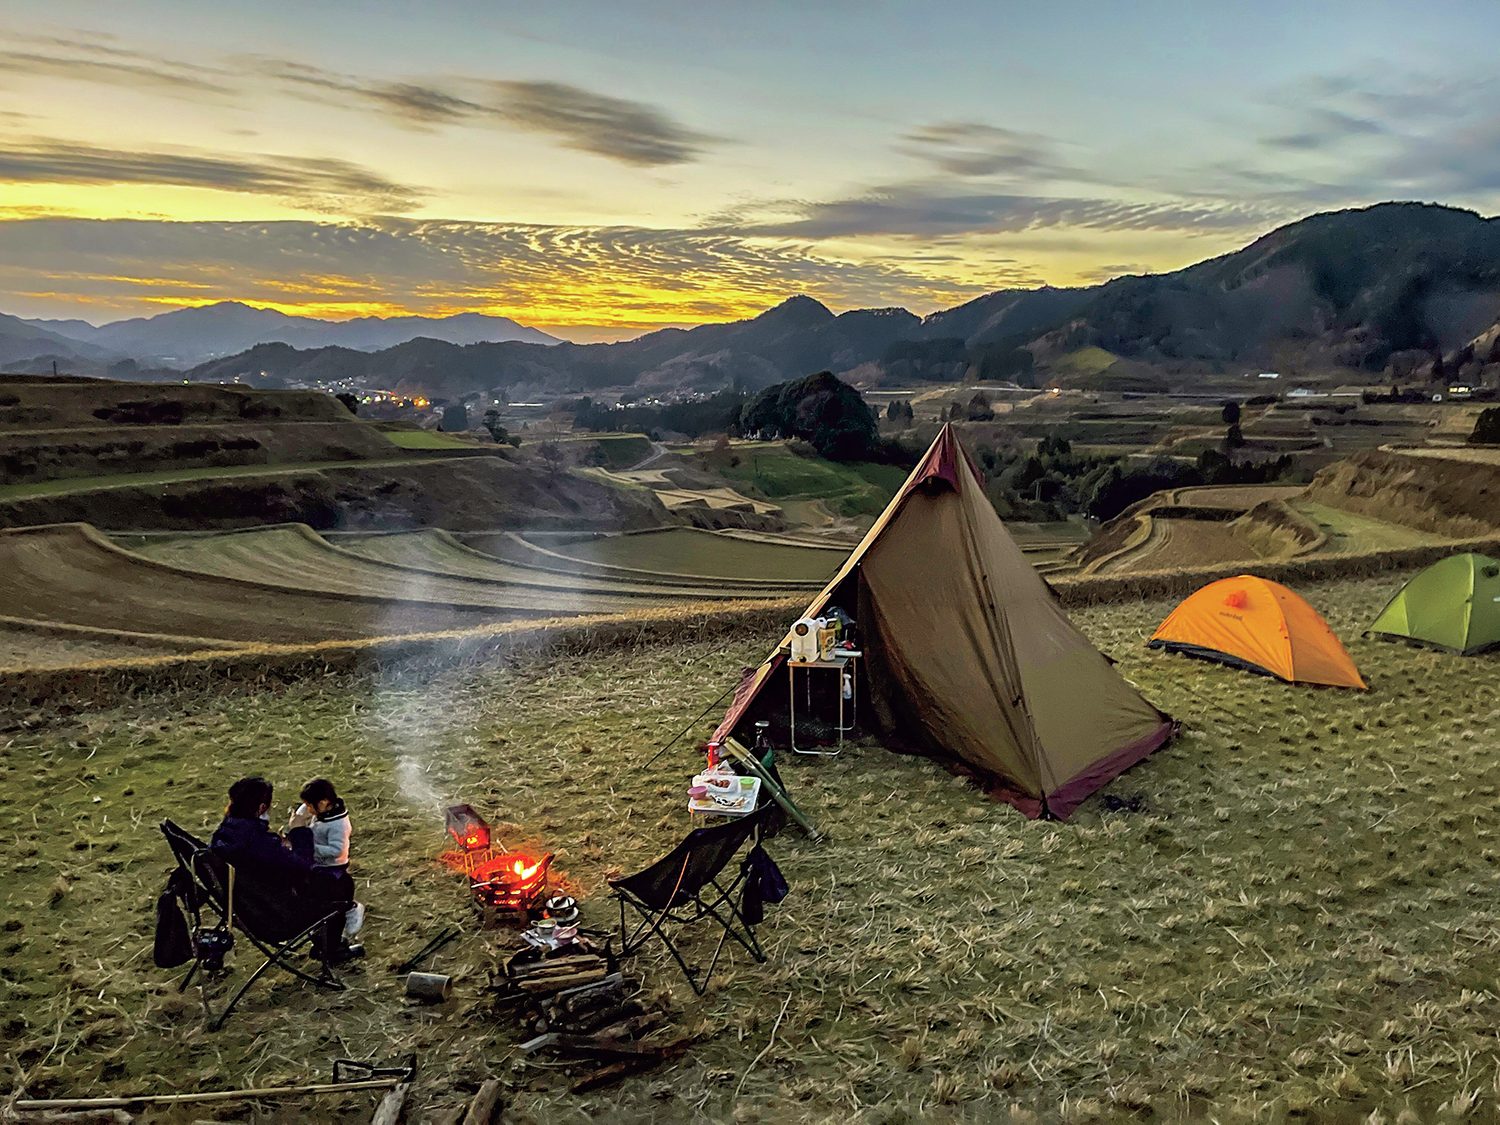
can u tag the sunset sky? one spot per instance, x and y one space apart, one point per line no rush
596 169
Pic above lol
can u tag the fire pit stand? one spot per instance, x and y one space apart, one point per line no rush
506 886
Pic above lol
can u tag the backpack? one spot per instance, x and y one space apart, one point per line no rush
764 883
173 945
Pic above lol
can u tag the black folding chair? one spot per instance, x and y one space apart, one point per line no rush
273 920
683 887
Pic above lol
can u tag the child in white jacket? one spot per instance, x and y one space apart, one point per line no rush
332 829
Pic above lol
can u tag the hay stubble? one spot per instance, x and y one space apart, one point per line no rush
1291 910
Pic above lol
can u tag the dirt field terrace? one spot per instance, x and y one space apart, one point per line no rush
1292 911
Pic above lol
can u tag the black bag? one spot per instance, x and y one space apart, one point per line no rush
764 883
173 945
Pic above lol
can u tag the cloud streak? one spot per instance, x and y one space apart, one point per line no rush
623 130
970 148
627 131
300 179
924 210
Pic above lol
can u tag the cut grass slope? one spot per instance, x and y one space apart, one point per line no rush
705 554
567 559
73 575
438 552
1288 912
296 558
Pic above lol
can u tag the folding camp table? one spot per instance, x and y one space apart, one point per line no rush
843 660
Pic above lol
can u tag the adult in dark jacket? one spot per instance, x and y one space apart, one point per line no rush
246 841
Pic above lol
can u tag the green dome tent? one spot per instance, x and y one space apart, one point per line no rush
1453 604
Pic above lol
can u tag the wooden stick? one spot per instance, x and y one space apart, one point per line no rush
778 794
389 1111
485 1108
207 1096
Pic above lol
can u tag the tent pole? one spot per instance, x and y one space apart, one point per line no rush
778 794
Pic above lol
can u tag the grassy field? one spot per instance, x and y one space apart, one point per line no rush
1350 531
704 554
775 472
426 439
1291 911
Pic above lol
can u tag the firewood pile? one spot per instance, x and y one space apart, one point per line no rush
578 1006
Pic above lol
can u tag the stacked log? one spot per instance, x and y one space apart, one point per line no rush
580 1006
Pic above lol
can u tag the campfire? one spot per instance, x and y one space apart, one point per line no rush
506 885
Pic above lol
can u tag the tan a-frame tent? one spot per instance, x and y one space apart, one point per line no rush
968 656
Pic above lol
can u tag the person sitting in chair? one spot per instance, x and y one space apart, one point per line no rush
245 840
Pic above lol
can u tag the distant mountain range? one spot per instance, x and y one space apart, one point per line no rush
187 337
1377 290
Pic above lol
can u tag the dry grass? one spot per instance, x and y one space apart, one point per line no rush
1290 911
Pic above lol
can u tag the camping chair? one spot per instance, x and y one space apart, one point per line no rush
270 921
683 887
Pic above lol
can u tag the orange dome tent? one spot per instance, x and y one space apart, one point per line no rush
1259 625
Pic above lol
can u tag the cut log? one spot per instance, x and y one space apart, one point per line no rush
568 995
592 1021
391 1107
632 1028
623 1068
452 1115
486 1105
554 984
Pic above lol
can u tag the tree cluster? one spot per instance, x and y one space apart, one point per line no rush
822 410
1051 482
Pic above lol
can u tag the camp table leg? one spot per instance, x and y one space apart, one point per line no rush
837 667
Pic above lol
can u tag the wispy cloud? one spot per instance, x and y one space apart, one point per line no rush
971 148
924 210
299 179
103 61
628 131
620 129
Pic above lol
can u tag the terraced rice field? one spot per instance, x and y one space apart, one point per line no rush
585 559
441 553
70 485
704 554
1236 497
73 575
1176 542
296 558
1290 913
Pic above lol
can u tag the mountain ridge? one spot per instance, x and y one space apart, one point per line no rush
1384 291
196 334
